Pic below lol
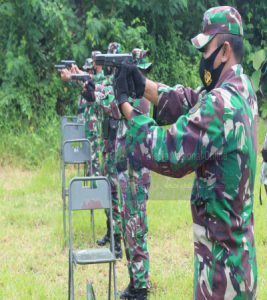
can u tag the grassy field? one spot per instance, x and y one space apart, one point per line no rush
35 266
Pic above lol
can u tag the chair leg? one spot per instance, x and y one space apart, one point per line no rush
93 225
114 278
109 282
71 278
64 204
90 292
64 219
69 283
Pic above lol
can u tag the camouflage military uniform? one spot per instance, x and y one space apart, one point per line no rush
214 135
109 131
82 104
110 117
92 117
134 182
263 89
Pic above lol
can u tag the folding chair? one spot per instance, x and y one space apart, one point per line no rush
70 131
76 152
87 193
73 131
68 119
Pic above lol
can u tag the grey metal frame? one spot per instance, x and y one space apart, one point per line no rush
68 119
70 131
85 195
75 156
90 292
73 131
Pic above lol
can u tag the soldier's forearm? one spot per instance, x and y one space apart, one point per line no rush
151 91
127 109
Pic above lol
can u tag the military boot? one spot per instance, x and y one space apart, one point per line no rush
128 292
106 237
141 294
131 293
117 246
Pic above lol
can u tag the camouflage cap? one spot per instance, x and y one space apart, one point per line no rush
221 19
114 48
88 64
94 53
139 57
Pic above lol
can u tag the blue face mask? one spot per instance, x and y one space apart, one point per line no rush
208 75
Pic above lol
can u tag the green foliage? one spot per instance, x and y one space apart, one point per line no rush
34 35
174 67
102 30
264 109
257 60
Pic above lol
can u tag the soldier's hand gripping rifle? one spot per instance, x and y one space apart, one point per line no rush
88 92
116 61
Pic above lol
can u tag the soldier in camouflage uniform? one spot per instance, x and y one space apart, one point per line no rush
213 134
263 89
92 117
88 112
109 131
134 181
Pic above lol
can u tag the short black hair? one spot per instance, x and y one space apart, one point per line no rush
236 42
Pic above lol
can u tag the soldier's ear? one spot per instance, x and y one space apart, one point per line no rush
226 52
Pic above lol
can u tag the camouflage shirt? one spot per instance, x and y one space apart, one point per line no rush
214 135
99 77
105 99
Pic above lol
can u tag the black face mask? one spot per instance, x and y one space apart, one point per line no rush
207 73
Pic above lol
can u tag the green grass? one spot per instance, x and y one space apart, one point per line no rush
35 266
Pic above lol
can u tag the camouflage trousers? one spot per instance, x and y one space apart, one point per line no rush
95 155
219 275
134 185
109 170
92 133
